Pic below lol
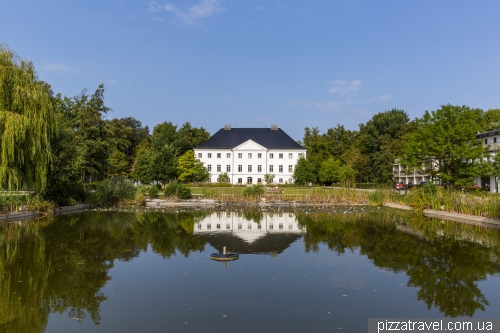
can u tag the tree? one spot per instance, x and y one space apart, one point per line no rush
118 164
144 164
376 135
191 169
305 172
268 178
330 171
445 145
224 178
491 120
26 124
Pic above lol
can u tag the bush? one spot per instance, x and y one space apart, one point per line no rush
113 191
254 191
176 189
153 192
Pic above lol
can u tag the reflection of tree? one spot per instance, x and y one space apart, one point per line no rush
24 271
445 263
64 263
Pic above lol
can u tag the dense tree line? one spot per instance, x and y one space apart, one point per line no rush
442 142
57 145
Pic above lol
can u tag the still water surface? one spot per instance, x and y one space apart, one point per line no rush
303 271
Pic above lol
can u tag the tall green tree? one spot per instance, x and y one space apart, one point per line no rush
305 172
376 136
26 124
331 170
191 169
445 145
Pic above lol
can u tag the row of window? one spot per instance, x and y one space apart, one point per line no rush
486 141
249 168
240 155
249 226
259 180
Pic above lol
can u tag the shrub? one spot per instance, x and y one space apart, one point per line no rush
113 191
176 189
153 192
254 191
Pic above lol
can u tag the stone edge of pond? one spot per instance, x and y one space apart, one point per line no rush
450 216
32 214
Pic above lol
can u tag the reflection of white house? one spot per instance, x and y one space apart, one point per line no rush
239 233
247 154
491 139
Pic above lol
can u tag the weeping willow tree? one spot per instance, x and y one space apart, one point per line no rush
26 122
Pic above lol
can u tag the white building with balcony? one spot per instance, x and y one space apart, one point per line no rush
491 139
247 154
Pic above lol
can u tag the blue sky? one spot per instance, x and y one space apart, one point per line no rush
253 63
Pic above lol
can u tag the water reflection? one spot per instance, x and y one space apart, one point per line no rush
61 265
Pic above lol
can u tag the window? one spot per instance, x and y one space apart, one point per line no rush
271 168
239 225
240 155
259 155
199 225
281 180
249 180
218 168
228 155
249 168
290 168
209 167
290 226
228 226
271 155
240 181
249 155
280 168
301 155
259 168
259 180
495 140
218 226
290 155
240 168
281 226
271 226
228 168
218 181
259 226
209 155
280 155
209 226
199 155
485 141
249 226
218 155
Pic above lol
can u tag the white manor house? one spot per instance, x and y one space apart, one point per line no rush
247 154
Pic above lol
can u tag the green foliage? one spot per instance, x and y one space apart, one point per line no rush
26 124
114 191
191 169
269 178
330 171
380 140
305 172
177 189
253 191
224 178
153 191
491 120
445 144
118 166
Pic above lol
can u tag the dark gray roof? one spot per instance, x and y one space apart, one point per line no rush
273 139
487 134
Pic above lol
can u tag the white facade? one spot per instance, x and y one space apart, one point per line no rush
249 162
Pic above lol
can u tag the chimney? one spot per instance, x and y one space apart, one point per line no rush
274 127
227 127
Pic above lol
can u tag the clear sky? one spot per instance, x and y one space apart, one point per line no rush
253 63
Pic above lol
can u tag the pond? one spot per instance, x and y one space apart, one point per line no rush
314 270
